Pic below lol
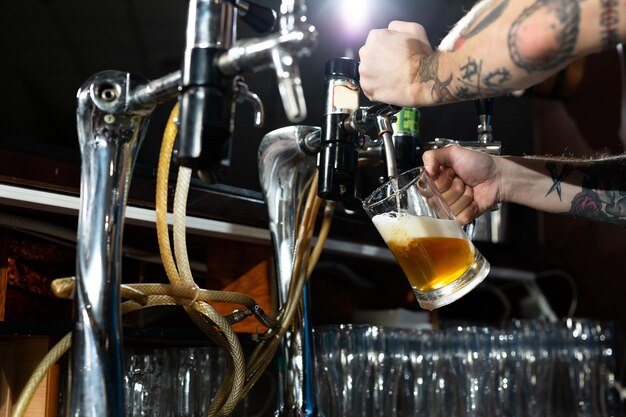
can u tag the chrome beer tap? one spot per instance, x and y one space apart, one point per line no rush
112 117
110 132
286 169
213 59
287 164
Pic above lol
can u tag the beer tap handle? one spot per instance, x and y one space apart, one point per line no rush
260 18
243 93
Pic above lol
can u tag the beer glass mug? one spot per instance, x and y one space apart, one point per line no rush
437 257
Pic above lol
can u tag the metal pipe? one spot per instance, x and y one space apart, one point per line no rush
110 135
156 91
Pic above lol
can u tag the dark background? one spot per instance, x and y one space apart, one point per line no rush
50 47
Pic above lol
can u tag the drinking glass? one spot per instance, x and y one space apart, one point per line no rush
446 383
535 381
471 349
211 366
437 257
371 386
414 382
342 357
504 354
147 383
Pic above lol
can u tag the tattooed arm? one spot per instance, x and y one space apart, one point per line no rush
472 182
499 46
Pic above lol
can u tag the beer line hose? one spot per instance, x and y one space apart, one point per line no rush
183 290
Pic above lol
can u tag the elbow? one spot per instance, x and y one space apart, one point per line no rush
539 45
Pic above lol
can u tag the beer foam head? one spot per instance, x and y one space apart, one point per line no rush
397 227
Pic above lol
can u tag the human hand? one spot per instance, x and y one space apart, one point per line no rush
390 60
469 180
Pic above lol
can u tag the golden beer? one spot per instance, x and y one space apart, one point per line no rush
432 252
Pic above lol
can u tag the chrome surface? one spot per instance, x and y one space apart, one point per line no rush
110 135
243 94
156 91
112 116
281 50
384 121
286 171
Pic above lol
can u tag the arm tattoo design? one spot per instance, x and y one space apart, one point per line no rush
558 20
609 20
428 71
557 177
473 82
603 194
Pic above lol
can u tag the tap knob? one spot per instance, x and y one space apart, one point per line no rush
405 138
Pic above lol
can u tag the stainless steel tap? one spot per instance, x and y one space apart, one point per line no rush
286 169
112 118
110 134
213 57
287 164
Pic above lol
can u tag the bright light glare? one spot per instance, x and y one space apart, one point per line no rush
354 14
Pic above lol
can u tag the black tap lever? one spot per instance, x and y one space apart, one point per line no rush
338 158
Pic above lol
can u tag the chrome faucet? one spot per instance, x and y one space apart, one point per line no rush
288 159
112 117
286 170
110 134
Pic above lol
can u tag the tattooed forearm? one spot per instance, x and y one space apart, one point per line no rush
428 70
609 20
602 195
473 82
557 21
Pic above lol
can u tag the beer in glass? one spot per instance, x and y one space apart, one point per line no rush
432 249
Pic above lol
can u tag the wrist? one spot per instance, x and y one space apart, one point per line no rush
510 179
417 90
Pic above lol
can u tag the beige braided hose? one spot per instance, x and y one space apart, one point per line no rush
184 291
228 339
148 295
